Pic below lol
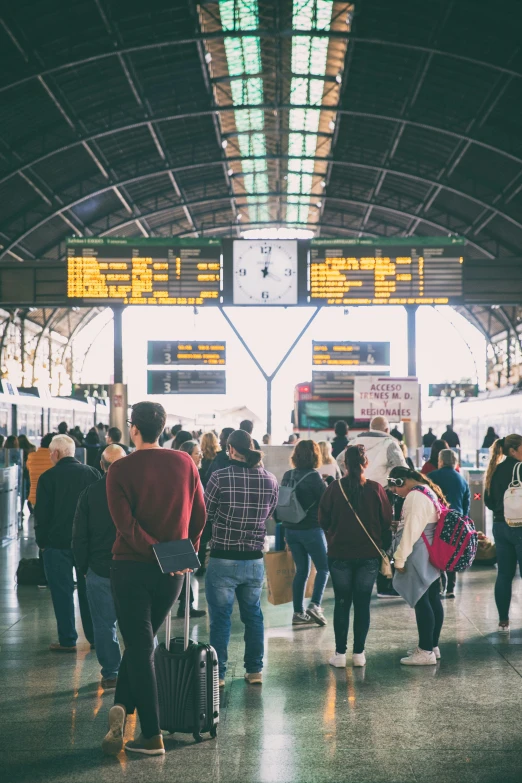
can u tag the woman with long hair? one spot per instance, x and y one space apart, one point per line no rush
505 454
239 499
305 539
356 515
416 579
329 467
209 449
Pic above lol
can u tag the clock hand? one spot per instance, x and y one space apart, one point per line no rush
264 271
274 277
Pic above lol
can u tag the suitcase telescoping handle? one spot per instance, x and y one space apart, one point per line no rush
186 627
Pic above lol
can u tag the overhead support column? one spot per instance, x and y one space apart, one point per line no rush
22 346
118 390
412 430
269 378
118 344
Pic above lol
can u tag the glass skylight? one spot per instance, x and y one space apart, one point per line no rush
244 60
309 55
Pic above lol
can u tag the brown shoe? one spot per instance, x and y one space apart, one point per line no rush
113 740
57 647
109 682
254 678
149 747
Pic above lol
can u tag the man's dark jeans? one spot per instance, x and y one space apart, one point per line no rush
353 581
143 597
59 564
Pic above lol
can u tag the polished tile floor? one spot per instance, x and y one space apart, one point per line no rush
460 721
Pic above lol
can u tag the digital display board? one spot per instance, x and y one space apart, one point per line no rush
453 390
386 271
144 271
180 352
186 382
344 354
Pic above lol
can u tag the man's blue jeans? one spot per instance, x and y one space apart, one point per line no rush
308 546
103 615
243 579
59 564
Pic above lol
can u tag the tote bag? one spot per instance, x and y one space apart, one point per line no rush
280 572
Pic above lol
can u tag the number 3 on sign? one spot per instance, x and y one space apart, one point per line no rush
166 387
167 356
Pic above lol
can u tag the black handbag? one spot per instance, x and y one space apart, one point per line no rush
30 571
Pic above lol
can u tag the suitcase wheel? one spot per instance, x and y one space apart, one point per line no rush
197 736
213 731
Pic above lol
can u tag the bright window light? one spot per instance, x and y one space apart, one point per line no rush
244 59
277 233
309 57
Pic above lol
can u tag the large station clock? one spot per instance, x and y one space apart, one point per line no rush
265 272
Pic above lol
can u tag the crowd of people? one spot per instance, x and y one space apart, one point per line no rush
358 497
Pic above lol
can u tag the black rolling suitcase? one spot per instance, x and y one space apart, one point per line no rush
188 682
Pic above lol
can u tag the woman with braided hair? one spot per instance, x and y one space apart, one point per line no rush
505 453
416 579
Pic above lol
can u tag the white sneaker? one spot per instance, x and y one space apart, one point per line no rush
317 614
503 627
420 658
359 659
338 660
436 650
301 618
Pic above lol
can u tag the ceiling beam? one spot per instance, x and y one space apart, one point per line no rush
194 116
380 170
343 201
267 33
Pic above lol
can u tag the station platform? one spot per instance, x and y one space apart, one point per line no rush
309 723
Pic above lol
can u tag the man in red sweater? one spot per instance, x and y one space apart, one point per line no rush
155 495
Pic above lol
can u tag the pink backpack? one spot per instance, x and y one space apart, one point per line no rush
455 540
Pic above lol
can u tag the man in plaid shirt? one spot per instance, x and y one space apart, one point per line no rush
239 499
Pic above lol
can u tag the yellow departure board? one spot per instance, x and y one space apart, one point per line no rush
342 273
144 271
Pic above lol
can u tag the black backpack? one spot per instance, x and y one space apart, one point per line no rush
30 571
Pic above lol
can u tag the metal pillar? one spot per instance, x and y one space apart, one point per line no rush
22 346
411 312
118 344
268 378
412 430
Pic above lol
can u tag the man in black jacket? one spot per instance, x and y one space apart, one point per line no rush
93 538
113 437
56 499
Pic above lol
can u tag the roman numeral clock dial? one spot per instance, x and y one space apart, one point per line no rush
265 272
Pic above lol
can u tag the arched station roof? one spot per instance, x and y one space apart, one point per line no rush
173 117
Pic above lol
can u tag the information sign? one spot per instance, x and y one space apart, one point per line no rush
344 354
144 271
395 398
181 352
386 271
453 390
186 382
81 391
326 383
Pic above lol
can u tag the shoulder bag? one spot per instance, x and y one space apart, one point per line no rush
386 569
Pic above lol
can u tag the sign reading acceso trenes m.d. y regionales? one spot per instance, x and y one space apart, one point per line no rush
395 398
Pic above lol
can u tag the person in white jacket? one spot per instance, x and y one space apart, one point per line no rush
382 450
416 579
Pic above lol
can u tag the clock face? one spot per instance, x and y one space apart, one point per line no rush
265 272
